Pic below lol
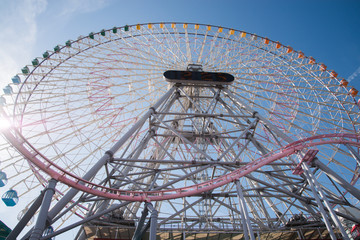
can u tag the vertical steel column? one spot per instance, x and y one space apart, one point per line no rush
244 213
153 221
41 221
299 235
320 199
243 218
140 225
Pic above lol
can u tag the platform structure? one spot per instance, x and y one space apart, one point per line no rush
209 227
98 232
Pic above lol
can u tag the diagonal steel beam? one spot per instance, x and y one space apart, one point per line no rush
321 201
244 213
180 211
239 212
347 186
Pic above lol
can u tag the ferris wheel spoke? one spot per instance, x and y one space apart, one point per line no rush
172 46
309 115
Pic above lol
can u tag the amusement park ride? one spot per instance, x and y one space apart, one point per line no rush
180 131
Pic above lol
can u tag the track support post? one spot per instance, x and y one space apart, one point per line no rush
42 218
140 225
323 201
337 178
244 213
152 223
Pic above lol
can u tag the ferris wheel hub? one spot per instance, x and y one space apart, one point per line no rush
195 67
197 77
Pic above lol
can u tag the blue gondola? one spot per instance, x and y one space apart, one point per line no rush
10 198
2 101
48 231
3 179
16 79
8 90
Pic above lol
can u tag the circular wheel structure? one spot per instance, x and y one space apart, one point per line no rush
274 153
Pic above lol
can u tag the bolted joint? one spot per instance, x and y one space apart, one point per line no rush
308 201
254 115
314 162
152 132
154 213
207 195
152 110
110 154
36 234
248 135
177 94
51 186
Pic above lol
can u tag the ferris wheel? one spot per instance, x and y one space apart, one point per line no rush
210 129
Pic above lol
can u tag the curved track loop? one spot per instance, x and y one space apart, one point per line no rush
64 176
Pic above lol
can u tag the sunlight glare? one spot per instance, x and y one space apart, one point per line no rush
4 124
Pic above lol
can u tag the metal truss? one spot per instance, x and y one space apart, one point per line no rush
168 163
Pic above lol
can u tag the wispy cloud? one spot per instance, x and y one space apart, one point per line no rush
354 74
82 6
19 28
19 34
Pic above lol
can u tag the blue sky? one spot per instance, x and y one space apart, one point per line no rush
328 30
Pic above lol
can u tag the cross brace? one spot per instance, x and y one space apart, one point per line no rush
308 157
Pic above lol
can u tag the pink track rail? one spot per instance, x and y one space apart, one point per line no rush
70 179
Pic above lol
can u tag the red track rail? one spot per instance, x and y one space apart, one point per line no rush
70 179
